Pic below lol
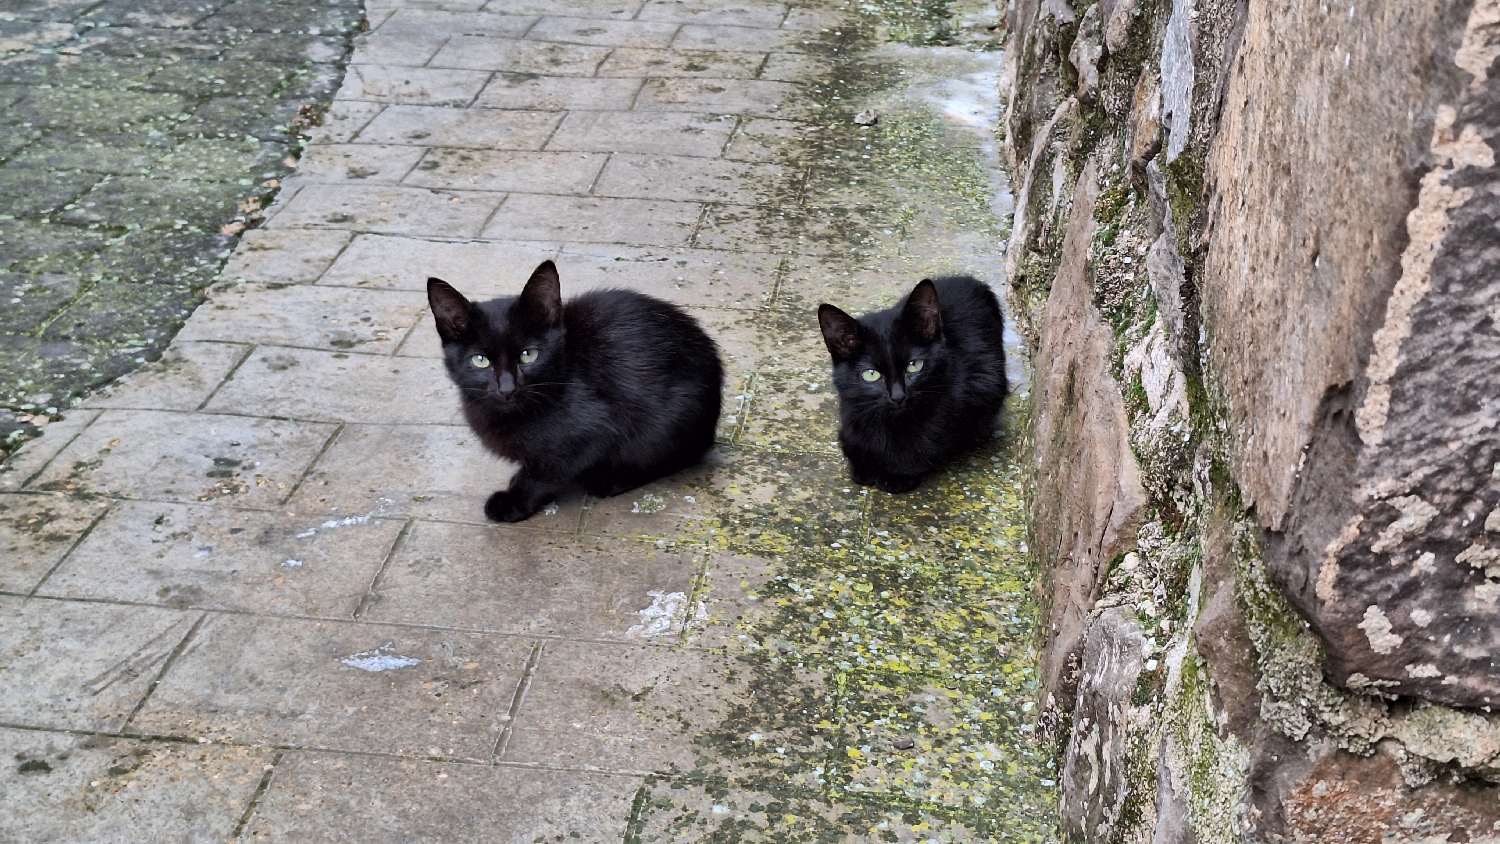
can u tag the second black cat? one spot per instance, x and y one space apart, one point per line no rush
918 383
609 391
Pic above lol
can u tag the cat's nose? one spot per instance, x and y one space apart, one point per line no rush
507 383
898 392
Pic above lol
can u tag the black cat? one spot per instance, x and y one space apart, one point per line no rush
610 391
918 383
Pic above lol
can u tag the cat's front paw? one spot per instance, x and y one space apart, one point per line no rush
504 507
860 477
897 484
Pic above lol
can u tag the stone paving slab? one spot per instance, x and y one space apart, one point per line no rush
642 63
403 263
265 680
413 85
619 707
391 210
340 797
604 33
36 532
269 549
434 126
528 91
82 666
407 471
362 321
173 555
391 391
183 378
555 173
282 257
630 131
367 163
680 178
536 583
186 457
68 787
595 220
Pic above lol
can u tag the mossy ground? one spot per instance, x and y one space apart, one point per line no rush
133 158
885 642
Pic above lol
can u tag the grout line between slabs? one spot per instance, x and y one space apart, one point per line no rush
778 280
439 50
228 376
84 534
608 157
488 80
348 242
635 100
47 464
518 698
692 241
372 594
490 218
562 117
761 68
734 134
534 25
167 666
307 473
412 329
260 792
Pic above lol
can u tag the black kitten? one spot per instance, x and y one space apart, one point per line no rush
610 391
919 383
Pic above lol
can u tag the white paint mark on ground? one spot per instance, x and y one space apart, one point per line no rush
665 616
383 658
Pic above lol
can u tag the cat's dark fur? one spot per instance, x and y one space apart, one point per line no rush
623 389
897 429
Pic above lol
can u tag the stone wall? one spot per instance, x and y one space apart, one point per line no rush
1254 249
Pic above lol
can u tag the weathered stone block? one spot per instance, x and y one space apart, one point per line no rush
81 666
1094 783
1378 522
1088 505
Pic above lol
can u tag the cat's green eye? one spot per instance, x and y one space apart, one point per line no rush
480 361
914 366
870 375
528 355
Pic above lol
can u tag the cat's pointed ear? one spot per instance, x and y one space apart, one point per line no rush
921 314
450 310
542 297
840 332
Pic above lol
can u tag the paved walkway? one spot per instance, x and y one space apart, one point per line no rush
250 592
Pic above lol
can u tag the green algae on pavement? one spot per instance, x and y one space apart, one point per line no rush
142 139
888 673
884 644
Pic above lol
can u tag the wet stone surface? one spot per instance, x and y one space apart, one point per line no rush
140 140
271 542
